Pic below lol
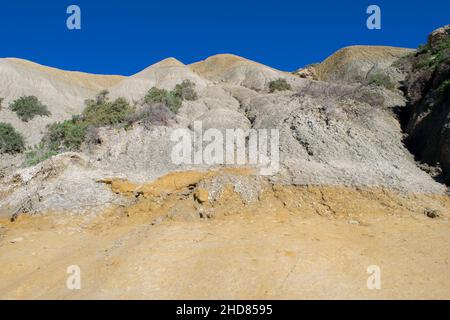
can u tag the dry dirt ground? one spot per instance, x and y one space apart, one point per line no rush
261 253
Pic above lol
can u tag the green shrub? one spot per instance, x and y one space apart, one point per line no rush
430 57
185 90
28 107
156 95
66 136
10 140
173 102
61 137
69 135
172 99
1 101
425 61
101 112
279 85
442 52
39 153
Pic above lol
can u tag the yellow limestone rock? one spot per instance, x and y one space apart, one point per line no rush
201 195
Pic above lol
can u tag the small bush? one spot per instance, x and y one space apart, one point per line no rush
169 98
173 102
155 95
61 137
442 51
28 107
101 112
172 99
69 135
425 61
1 101
66 136
185 90
10 140
279 85
38 154
431 57
152 115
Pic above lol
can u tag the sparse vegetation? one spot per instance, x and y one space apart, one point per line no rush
1 101
173 102
279 85
28 107
381 80
101 112
172 99
168 98
150 115
61 137
443 90
431 57
69 135
427 88
10 140
442 51
185 91
155 95
38 153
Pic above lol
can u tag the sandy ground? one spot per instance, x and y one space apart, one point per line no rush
243 256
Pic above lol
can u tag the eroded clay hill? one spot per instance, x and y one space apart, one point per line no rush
64 92
348 192
351 64
338 134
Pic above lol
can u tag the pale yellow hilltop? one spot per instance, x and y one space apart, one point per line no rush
355 60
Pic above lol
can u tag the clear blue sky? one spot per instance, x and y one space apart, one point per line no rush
123 37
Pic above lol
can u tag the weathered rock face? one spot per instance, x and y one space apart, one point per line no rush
428 90
308 72
339 133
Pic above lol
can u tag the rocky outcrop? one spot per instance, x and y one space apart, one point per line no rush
333 133
427 87
308 72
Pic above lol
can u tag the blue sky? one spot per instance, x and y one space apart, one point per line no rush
124 37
